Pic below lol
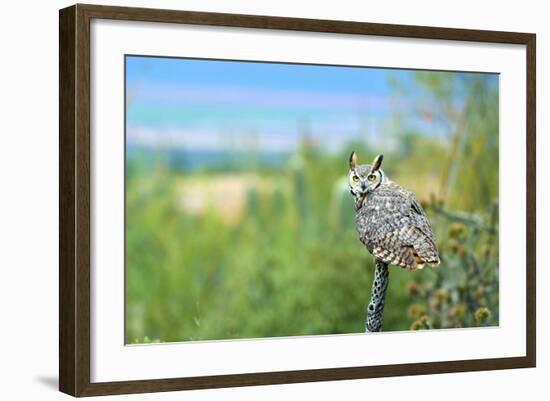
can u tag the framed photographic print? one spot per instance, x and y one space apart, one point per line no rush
251 200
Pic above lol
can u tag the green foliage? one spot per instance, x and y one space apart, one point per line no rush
264 252
463 291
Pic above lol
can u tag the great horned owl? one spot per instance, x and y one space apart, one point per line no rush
389 219
392 225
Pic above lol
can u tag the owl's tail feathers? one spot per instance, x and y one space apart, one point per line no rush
432 261
420 266
407 257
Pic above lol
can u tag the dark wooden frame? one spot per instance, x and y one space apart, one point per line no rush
74 199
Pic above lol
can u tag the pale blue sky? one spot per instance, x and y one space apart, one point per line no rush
209 103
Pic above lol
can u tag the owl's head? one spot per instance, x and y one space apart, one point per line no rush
364 178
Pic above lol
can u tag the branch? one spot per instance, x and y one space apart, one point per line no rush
465 218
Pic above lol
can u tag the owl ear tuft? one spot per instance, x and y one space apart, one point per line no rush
377 163
352 160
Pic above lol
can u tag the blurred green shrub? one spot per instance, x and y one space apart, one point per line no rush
463 292
290 267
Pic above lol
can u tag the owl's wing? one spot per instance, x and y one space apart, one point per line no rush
421 220
397 229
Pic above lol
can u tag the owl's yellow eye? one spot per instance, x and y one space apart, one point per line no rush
371 177
355 178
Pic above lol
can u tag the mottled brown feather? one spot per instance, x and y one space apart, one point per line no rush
395 229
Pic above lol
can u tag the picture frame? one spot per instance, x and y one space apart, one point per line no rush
76 198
